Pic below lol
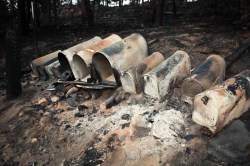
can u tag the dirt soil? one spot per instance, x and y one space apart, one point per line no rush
137 131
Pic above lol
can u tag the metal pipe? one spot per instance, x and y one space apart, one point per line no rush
161 81
113 60
219 105
66 57
209 73
132 78
82 60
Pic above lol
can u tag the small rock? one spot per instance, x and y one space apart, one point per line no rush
53 112
72 102
125 117
188 137
79 114
60 94
33 140
67 126
40 112
61 139
96 94
92 110
71 91
84 95
183 145
46 114
55 99
78 125
125 125
82 107
43 102
21 113
105 132
90 119
139 127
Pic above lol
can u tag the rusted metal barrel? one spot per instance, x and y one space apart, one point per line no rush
208 74
160 81
82 60
66 57
111 61
132 79
219 105
43 61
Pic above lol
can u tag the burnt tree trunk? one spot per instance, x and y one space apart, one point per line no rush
22 25
12 65
158 11
120 3
174 7
55 11
89 13
49 10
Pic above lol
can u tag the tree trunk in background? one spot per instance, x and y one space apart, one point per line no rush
37 12
55 11
157 16
89 13
120 3
28 14
12 65
21 18
49 10
174 7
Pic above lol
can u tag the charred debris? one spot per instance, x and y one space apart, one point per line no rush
125 66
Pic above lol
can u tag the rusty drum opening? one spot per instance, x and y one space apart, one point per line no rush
102 66
80 67
64 62
82 60
115 59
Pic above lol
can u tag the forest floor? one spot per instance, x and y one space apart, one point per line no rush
137 131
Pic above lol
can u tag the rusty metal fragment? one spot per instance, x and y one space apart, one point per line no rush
53 70
81 60
66 57
113 60
132 79
160 81
208 74
219 105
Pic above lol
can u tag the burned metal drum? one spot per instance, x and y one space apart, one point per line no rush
40 63
218 106
82 60
160 81
132 79
66 57
208 74
111 61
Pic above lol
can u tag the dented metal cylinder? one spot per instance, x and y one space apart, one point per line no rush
66 57
111 61
160 81
218 106
208 74
82 60
132 79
